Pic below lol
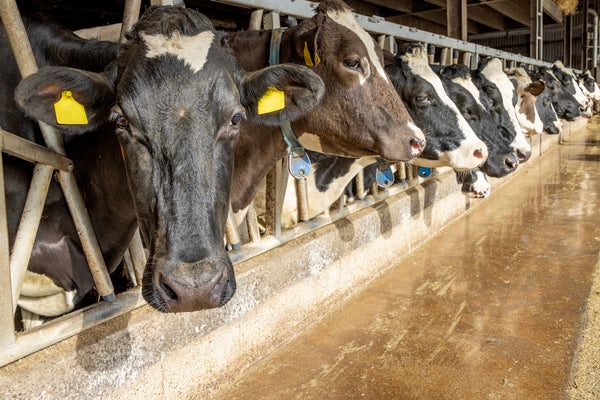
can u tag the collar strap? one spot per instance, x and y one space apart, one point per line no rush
298 162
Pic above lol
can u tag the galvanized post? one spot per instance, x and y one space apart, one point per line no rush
7 326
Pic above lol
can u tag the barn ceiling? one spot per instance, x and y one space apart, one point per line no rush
483 15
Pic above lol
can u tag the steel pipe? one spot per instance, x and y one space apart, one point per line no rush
7 326
28 227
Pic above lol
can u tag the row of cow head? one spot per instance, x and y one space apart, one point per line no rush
185 102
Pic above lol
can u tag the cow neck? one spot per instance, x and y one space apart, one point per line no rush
298 162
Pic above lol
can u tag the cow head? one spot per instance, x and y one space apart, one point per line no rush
450 139
361 114
501 160
565 104
567 78
527 92
175 97
504 96
588 81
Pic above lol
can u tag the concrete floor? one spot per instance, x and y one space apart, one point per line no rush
493 307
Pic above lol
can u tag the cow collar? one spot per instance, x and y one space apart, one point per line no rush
298 162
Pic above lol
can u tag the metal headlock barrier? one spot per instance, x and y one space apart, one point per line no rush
52 160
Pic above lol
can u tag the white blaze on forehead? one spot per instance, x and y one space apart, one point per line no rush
347 20
468 84
192 50
494 73
579 96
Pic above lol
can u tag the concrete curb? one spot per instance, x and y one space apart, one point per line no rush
163 356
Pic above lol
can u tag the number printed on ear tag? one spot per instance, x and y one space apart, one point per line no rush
272 100
68 111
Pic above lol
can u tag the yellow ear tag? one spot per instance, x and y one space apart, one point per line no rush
68 111
307 58
317 59
272 100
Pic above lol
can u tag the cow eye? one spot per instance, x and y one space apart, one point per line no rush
237 118
353 64
117 116
423 100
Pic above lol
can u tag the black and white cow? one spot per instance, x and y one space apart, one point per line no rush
563 102
450 139
567 77
157 149
497 82
589 83
475 105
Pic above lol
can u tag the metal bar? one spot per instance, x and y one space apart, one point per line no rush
360 185
231 232
255 20
64 327
131 13
378 26
32 152
252 223
26 62
28 227
7 325
302 199
138 256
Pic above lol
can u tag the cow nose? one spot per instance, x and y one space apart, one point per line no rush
523 155
196 286
582 109
417 145
511 161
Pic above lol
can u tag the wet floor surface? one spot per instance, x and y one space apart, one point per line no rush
491 308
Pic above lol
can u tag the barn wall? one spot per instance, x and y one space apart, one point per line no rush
147 354
518 41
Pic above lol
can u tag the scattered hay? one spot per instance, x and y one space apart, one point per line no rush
567 7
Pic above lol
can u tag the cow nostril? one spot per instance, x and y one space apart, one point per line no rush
478 153
170 293
416 143
511 163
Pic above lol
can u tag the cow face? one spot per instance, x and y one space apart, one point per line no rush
590 84
450 139
176 97
527 92
565 104
361 114
567 79
491 69
501 159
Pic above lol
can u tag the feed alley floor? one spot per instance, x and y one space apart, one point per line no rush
493 307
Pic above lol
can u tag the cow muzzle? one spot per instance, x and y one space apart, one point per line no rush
196 286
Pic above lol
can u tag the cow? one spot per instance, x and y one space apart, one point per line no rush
589 83
566 76
527 91
153 148
361 115
504 99
451 140
564 103
475 106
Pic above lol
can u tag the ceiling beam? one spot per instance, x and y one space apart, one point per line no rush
405 6
552 10
421 23
513 10
427 18
487 17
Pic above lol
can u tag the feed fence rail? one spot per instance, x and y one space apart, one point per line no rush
256 239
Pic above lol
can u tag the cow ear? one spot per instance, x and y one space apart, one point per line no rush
67 98
536 88
283 92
